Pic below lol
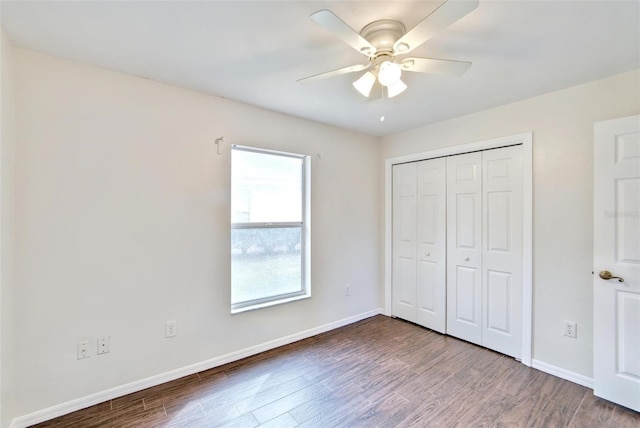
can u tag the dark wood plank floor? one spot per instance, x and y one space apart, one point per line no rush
380 372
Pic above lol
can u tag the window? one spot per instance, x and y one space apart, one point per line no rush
269 228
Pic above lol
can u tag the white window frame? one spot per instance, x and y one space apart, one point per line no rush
305 235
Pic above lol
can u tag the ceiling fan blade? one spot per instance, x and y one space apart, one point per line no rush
446 14
338 72
445 67
325 18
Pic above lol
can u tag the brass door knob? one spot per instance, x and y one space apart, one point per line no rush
605 274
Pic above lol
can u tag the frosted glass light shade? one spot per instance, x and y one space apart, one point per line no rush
365 83
396 89
389 73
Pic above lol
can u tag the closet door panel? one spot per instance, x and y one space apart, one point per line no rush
498 290
464 249
427 290
466 295
466 208
404 241
502 250
431 246
498 222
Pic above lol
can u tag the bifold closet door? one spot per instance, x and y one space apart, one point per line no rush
419 243
404 291
431 246
484 248
464 247
502 255
457 246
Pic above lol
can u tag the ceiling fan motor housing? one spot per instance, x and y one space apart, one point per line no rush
382 35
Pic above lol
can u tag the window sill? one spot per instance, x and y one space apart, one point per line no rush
271 303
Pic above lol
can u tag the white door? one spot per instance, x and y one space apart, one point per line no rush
404 241
616 249
502 242
431 249
464 247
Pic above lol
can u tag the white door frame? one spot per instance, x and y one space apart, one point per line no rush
526 140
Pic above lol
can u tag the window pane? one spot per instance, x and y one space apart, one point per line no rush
265 262
265 187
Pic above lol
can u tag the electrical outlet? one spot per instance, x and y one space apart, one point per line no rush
571 329
83 349
104 345
170 328
347 290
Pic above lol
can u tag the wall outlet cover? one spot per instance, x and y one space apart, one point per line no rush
170 329
571 329
104 345
83 349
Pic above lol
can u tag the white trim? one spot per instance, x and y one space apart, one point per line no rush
268 151
563 374
271 302
526 140
119 391
527 250
494 143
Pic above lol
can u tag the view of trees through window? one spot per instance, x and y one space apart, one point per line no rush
267 244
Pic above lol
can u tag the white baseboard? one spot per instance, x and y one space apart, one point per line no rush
119 391
563 374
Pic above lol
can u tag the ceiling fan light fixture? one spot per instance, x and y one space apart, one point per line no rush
396 89
389 73
365 83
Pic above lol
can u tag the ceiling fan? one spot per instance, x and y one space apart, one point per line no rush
384 40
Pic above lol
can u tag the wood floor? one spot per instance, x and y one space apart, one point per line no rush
380 372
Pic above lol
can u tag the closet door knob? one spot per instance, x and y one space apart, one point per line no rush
428 254
466 259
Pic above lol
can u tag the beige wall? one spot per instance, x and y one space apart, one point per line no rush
562 125
123 222
7 143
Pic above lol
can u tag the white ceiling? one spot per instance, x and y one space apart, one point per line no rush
254 51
